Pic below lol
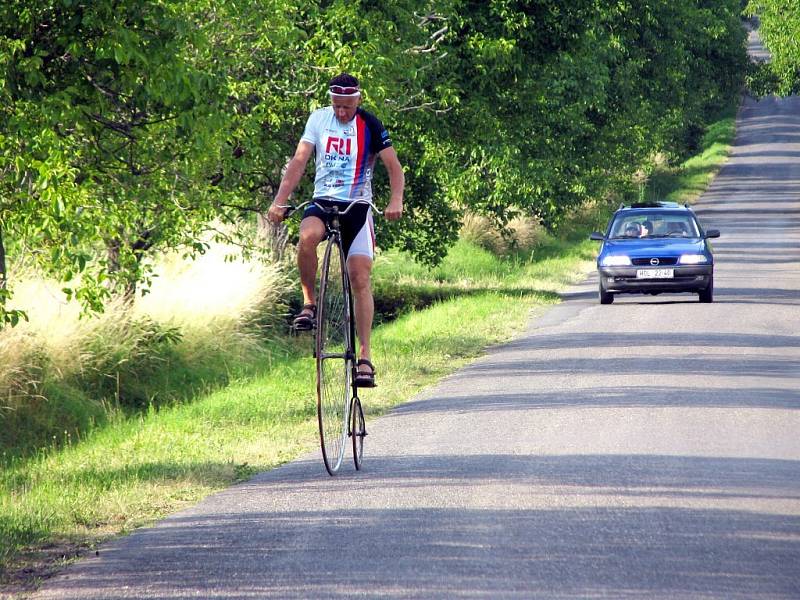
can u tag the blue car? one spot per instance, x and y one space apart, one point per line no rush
652 248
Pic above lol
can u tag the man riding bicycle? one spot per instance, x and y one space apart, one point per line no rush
346 140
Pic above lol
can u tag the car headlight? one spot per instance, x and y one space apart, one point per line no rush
693 259
618 260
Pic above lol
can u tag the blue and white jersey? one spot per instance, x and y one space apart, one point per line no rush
345 154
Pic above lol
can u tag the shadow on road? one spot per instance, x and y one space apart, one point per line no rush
630 396
638 544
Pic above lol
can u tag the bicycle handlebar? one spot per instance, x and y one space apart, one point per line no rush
293 209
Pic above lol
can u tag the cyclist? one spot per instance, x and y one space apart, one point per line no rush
346 141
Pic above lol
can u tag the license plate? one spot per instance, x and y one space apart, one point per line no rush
655 273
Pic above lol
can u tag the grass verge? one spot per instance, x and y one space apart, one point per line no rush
138 469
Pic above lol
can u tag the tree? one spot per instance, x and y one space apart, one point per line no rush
108 127
780 29
131 126
558 102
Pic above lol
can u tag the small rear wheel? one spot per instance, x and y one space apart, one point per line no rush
605 297
707 295
358 431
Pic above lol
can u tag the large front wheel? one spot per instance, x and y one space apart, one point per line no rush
334 352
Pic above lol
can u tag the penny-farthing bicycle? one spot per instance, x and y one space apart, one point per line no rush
339 409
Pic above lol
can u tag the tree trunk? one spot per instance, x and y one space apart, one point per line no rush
3 271
113 248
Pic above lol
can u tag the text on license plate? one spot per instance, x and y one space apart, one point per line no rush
655 273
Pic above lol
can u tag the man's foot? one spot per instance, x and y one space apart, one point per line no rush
365 377
306 319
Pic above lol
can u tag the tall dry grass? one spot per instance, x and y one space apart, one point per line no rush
202 323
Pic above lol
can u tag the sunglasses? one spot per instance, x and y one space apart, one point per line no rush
341 90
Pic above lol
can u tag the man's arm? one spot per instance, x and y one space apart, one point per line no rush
397 182
294 171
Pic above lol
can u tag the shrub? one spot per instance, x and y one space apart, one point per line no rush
521 234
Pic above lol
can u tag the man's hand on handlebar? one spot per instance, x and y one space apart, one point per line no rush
277 213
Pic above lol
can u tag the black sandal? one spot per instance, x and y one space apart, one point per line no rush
365 380
306 319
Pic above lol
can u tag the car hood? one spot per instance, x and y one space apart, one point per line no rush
654 247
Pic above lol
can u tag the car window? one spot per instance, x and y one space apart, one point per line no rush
680 227
639 225
630 226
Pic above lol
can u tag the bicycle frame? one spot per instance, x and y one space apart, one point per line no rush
352 419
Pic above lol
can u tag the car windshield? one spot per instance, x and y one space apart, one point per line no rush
653 225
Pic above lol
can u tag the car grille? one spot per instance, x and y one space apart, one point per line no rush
662 261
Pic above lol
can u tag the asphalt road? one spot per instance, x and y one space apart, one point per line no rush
646 449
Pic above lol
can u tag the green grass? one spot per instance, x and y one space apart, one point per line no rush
134 469
137 469
401 284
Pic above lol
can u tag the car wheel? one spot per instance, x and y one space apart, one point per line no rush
707 295
605 297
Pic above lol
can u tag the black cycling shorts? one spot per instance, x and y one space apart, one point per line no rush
358 229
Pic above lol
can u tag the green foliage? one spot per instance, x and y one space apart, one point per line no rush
779 29
133 126
107 125
562 102
120 365
57 415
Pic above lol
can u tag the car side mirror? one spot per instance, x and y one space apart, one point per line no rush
712 233
597 236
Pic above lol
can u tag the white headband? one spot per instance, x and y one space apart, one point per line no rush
350 91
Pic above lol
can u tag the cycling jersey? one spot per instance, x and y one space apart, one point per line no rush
345 153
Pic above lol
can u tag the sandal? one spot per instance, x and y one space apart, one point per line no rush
363 379
306 319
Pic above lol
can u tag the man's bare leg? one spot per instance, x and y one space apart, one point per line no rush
312 230
360 268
